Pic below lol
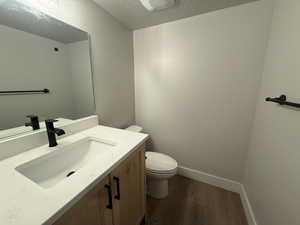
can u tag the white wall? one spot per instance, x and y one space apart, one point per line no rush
196 83
29 62
112 47
81 77
272 174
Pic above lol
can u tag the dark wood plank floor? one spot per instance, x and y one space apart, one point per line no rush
195 203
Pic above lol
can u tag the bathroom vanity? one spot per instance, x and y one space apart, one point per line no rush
94 176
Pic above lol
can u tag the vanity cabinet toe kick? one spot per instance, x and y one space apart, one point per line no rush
119 199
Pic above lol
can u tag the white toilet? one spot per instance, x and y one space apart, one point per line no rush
159 169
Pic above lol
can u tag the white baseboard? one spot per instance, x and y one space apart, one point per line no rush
247 207
224 183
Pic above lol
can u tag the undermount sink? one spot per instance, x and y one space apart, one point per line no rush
51 169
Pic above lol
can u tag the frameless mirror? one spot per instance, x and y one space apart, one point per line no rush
45 69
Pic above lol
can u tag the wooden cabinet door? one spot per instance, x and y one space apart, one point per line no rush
92 209
128 182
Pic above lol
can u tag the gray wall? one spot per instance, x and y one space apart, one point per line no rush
112 47
272 176
196 85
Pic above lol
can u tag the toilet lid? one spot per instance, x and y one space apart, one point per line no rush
158 162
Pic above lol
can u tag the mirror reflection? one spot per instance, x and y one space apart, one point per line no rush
45 70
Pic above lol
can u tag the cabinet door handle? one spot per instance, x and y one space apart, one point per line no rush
110 204
118 196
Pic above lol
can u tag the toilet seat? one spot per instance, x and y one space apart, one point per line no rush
166 172
158 163
161 175
162 172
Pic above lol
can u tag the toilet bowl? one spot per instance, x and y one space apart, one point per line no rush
159 169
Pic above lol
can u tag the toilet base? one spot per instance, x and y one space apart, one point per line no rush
157 188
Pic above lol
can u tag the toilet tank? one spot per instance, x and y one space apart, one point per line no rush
135 128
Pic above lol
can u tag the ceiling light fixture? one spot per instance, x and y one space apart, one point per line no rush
153 5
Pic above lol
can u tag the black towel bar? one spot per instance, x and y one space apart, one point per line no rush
44 91
282 100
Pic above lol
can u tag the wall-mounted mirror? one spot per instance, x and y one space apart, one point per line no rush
45 69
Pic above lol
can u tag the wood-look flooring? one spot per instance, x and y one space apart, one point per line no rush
195 203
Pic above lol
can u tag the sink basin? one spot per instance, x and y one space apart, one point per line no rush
49 170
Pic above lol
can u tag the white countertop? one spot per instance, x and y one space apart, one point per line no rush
23 202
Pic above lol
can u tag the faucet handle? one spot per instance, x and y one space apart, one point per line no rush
51 120
32 116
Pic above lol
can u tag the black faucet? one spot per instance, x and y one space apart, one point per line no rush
52 132
34 122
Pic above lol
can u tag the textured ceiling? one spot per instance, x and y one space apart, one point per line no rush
133 15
